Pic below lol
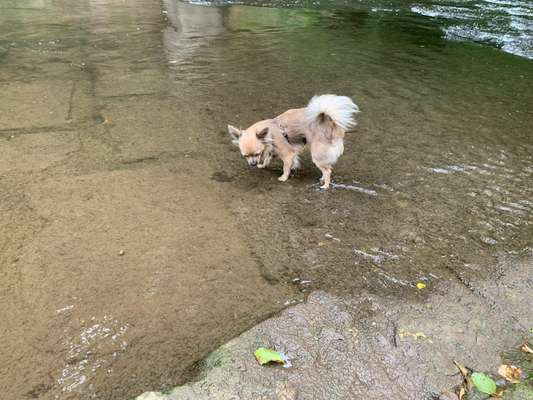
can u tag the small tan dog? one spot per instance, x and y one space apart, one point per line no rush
322 125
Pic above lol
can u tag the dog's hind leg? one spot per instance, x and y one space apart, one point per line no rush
324 157
325 180
287 165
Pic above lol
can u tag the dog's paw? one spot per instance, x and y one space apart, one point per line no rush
283 178
324 187
261 165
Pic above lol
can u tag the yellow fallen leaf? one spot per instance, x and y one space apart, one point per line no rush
462 393
421 285
510 372
526 349
416 335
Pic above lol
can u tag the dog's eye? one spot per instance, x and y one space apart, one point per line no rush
257 154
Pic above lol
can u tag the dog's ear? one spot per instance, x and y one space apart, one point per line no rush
234 134
262 133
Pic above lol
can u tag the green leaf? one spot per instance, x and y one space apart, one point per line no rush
264 356
483 383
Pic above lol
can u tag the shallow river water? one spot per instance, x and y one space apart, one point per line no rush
112 135
447 125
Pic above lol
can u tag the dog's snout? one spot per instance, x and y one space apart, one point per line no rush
252 161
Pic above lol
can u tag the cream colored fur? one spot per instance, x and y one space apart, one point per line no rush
321 125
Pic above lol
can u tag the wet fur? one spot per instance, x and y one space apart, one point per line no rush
321 125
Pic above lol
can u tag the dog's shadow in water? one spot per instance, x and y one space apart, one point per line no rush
263 179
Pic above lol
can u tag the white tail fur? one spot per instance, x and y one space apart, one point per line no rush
339 108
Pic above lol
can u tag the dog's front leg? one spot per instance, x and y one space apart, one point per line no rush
287 164
267 156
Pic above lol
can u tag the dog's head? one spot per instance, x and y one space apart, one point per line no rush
252 141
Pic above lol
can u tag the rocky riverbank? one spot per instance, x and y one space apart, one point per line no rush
373 347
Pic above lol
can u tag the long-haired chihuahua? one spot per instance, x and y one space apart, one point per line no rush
321 125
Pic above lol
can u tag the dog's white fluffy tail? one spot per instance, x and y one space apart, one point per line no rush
339 108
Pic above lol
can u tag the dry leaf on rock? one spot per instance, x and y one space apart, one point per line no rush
510 372
416 335
462 369
466 376
526 349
